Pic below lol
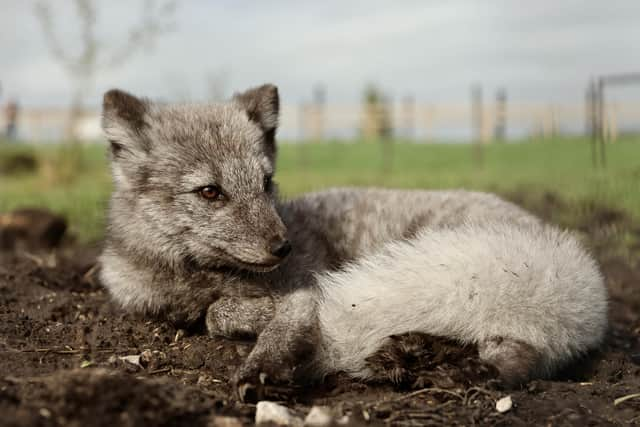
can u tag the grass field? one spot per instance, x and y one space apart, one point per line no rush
562 167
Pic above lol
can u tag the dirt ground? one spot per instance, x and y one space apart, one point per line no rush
64 351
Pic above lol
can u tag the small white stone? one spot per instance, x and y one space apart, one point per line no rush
145 357
219 421
134 359
343 421
318 416
272 413
503 405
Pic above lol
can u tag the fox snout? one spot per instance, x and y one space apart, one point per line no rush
280 248
277 248
275 251
270 242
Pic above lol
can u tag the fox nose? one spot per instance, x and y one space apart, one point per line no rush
280 248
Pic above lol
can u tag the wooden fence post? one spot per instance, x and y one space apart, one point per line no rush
477 123
601 122
409 117
500 128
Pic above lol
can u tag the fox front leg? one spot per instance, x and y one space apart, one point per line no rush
284 349
239 317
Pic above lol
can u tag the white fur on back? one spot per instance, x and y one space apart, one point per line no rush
475 282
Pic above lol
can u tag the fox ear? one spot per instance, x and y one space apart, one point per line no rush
123 120
262 105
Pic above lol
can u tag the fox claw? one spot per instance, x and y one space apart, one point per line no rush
252 383
247 393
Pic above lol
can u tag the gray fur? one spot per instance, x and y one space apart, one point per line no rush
366 263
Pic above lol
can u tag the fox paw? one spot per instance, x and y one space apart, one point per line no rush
233 317
259 378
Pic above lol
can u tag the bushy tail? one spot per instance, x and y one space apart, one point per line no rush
474 283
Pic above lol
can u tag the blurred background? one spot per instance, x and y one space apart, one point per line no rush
538 102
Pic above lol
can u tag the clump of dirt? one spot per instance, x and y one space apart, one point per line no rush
18 163
416 360
31 229
102 397
70 357
583 215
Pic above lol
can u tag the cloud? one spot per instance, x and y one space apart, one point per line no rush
544 51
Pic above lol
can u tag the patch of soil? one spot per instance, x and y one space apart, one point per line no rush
31 229
17 163
70 357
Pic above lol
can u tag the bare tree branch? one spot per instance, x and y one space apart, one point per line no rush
93 55
43 14
155 21
87 14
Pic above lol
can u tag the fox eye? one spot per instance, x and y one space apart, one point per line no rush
267 183
210 192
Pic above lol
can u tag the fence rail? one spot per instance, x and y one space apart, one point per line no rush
407 120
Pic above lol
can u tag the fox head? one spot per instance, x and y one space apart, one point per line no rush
194 183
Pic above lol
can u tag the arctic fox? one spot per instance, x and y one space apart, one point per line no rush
196 231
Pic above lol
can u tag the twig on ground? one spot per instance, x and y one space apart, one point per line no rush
159 371
67 350
89 276
16 380
472 392
429 390
625 398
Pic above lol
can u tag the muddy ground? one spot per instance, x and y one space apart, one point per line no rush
61 344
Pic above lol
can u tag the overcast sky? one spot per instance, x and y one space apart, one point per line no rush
541 51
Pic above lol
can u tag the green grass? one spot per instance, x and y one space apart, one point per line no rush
562 167
81 195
